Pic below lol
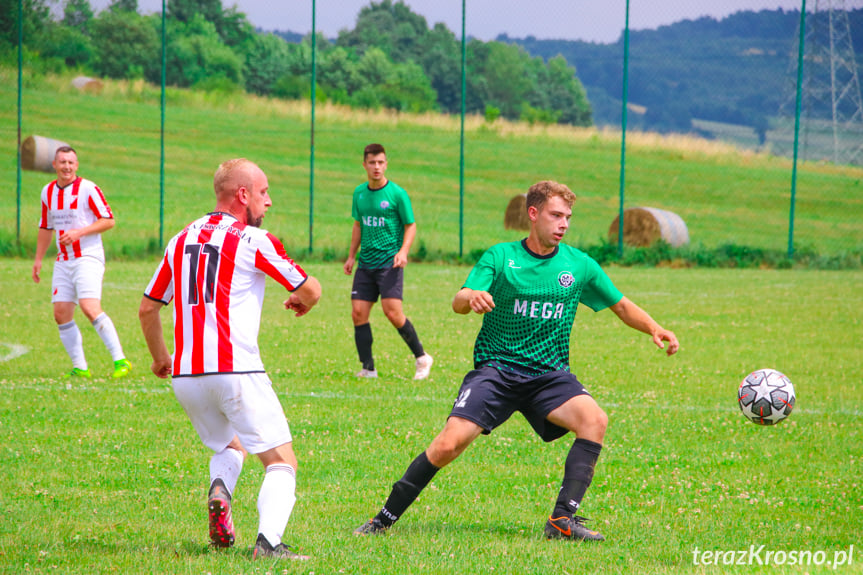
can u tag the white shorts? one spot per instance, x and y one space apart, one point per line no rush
76 279
242 404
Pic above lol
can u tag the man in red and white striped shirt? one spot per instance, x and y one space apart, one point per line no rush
215 271
77 210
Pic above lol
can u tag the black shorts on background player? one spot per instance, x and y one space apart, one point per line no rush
386 283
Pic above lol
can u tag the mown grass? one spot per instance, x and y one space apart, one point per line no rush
109 477
724 196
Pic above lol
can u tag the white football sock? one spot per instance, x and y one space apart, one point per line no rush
226 465
276 501
70 335
105 328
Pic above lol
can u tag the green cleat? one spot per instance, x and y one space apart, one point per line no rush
122 367
78 372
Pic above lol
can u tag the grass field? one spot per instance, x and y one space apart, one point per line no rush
723 195
108 477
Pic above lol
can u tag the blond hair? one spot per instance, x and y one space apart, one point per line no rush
540 192
233 175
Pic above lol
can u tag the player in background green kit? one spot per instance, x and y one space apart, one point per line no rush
528 293
384 225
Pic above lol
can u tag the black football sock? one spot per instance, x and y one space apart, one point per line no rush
577 475
406 489
363 337
409 334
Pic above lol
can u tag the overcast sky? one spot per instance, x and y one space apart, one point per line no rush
590 20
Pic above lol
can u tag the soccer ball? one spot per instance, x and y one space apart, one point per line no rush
766 396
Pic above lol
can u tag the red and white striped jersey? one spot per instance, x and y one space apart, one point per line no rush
77 205
215 271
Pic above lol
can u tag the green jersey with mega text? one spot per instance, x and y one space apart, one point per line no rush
535 299
383 215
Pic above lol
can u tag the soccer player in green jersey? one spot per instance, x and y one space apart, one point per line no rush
528 293
384 225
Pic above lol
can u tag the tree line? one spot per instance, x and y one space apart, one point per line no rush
740 69
390 59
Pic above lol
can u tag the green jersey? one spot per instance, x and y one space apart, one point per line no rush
535 299
383 215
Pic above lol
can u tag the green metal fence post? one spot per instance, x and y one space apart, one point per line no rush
312 140
162 103
461 148
800 53
623 132
20 115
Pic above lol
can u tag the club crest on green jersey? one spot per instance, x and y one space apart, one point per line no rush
565 279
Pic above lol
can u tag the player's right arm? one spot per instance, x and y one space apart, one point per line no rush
43 240
467 300
356 234
151 325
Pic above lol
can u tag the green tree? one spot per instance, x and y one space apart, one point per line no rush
125 43
196 52
232 25
77 14
505 70
186 10
441 61
123 6
338 73
565 93
391 27
235 29
37 15
267 60
375 68
408 89
67 44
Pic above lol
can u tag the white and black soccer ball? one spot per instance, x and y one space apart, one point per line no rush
766 396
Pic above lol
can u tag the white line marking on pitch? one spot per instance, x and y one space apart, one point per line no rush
15 350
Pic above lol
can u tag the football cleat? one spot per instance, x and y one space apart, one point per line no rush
219 512
122 367
570 528
367 373
424 363
263 550
78 372
373 526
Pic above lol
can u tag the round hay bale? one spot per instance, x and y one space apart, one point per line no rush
515 217
644 226
37 153
89 85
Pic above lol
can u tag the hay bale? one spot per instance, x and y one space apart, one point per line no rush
37 153
89 85
515 217
644 226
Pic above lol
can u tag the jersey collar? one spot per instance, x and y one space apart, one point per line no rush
371 189
547 256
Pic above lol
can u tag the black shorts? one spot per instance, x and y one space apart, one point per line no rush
383 282
488 397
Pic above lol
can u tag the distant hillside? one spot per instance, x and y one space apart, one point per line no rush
738 70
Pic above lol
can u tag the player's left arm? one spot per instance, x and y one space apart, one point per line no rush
401 258
151 325
304 297
69 237
637 318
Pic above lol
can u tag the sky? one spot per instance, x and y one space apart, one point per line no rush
588 20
